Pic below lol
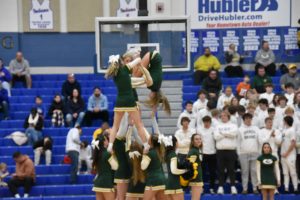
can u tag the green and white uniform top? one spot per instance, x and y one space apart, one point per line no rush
194 156
155 70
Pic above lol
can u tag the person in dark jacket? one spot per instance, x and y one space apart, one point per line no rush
56 111
43 147
5 77
212 85
4 102
69 85
33 124
75 109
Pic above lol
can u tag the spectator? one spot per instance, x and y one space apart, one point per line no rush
73 144
69 85
183 136
261 113
204 64
243 87
188 112
212 85
251 97
205 112
226 144
85 155
225 98
288 154
279 110
260 80
201 102
75 109
214 117
56 111
33 124
269 94
265 58
275 102
291 77
41 108
209 151
297 104
5 77
24 175
234 60
234 101
290 93
270 135
102 129
4 102
241 110
43 147
19 68
3 173
248 152
97 107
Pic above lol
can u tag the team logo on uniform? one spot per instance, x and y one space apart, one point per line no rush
267 161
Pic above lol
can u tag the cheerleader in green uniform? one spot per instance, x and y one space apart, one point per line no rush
120 70
152 165
268 174
194 156
104 163
137 185
173 187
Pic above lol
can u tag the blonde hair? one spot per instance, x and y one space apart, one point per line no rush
289 110
3 166
158 98
112 70
138 174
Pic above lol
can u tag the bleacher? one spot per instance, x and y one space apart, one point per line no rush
53 181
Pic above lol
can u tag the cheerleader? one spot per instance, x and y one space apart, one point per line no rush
194 156
104 163
152 165
173 187
136 186
119 70
268 174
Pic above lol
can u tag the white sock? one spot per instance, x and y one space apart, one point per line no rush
110 146
17 196
26 195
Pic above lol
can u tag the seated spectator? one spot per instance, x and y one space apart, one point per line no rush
243 87
225 98
3 173
69 85
4 102
5 77
56 111
188 112
73 144
269 94
33 124
291 77
41 108
290 93
183 136
85 156
24 175
97 107
102 129
43 147
234 60
204 64
260 80
212 85
19 69
265 58
201 102
75 109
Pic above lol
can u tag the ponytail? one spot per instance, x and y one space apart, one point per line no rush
112 70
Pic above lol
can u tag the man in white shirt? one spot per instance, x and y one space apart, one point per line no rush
290 93
208 150
279 110
270 135
248 152
261 113
269 94
205 112
225 98
225 135
183 136
201 102
188 112
288 154
72 149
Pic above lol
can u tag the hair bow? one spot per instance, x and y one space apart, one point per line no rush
168 141
95 144
160 138
113 58
134 154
